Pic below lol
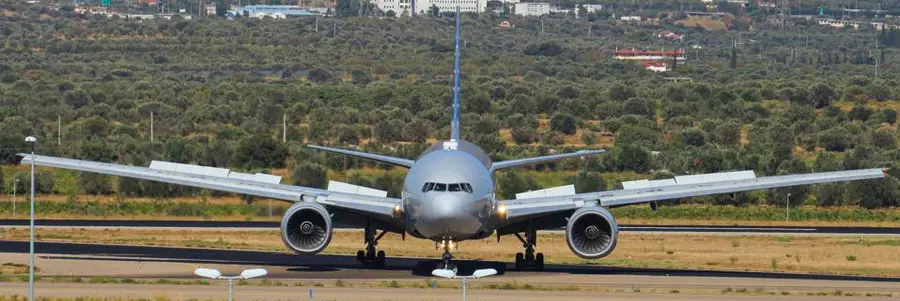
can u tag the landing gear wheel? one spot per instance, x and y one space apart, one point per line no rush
379 260
360 256
520 261
539 262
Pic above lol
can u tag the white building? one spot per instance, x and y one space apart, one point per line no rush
466 6
532 9
405 7
593 7
398 6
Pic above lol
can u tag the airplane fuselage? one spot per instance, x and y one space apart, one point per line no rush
448 193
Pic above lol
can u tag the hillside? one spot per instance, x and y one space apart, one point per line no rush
796 100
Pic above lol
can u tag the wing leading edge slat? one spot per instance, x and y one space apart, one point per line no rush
534 207
375 206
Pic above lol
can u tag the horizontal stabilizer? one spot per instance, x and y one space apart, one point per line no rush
356 189
547 192
535 160
213 172
374 157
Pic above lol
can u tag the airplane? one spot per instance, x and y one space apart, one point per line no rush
449 196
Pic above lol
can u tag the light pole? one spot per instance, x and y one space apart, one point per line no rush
31 140
451 274
16 185
215 274
787 209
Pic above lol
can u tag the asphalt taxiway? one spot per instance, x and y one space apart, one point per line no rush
579 282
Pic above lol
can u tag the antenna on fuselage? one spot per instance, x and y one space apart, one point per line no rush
454 123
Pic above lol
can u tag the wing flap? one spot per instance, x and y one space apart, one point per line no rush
375 206
535 207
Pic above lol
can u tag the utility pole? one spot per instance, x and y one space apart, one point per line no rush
58 130
317 23
284 127
151 126
542 24
875 55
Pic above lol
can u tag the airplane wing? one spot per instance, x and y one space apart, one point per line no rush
535 160
709 184
261 185
375 157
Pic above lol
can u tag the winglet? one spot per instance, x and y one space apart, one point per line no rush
454 123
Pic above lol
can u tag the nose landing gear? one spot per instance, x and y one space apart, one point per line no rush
529 259
447 245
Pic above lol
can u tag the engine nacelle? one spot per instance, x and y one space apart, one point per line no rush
592 232
306 228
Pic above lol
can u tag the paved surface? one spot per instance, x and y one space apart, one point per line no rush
592 282
217 291
224 225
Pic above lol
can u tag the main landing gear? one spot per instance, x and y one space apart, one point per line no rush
529 259
370 257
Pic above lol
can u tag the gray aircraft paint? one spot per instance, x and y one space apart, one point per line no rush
440 215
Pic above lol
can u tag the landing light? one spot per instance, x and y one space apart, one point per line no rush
501 211
397 211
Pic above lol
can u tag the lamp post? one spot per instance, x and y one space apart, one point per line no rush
31 140
787 209
451 274
215 274
16 185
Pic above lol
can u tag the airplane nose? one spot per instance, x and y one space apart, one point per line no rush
449 216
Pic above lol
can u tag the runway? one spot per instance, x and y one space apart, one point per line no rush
321 272
224 225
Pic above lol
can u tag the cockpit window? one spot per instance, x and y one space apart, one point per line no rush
454 187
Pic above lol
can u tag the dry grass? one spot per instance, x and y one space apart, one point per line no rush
874 256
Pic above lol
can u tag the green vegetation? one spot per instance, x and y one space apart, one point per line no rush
799 99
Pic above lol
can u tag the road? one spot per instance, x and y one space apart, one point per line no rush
225 225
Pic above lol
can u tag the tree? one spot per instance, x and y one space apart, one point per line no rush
221 8
695 137
523 134
639 106
391 14
309 175
821 95
347 8
564 123
884 139
728 133
512 182
633 157
260 152
434 11
588 181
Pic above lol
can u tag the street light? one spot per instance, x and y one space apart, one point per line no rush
31 140
215 274
451 274
14 196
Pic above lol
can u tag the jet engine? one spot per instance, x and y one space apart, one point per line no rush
592 232
306 228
